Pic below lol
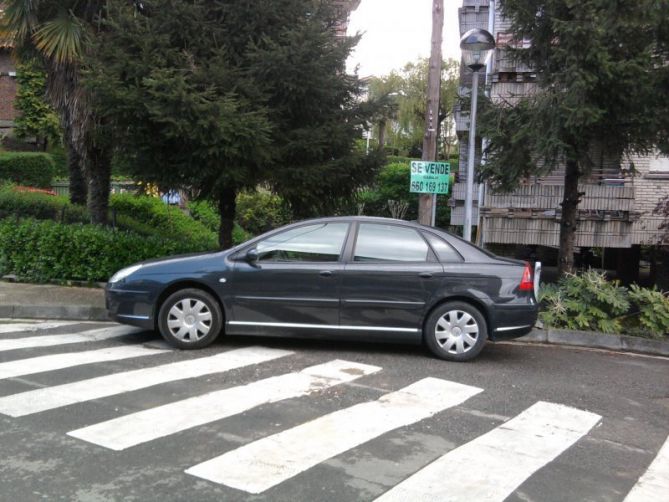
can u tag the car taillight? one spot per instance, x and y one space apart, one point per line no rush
526 283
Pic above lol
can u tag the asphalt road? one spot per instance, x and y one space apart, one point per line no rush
291 420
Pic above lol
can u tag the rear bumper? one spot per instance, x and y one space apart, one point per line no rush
513 321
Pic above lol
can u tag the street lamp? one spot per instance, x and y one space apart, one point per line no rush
477 46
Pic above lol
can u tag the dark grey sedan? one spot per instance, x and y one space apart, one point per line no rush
349 277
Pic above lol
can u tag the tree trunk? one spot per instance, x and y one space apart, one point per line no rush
382 134
99 164
568 221
78 187
227 206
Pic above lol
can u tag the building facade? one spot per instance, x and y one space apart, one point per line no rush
345 7
616 211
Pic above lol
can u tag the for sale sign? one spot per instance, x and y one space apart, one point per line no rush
430 177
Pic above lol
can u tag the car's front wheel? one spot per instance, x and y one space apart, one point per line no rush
455 331
190 319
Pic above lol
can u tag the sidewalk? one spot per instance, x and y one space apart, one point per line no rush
34 301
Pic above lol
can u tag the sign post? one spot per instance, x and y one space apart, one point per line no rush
430 178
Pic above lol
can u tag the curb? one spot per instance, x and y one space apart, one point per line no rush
574 338
60 312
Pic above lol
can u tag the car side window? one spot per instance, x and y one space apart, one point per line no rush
322 242
444 251
378 242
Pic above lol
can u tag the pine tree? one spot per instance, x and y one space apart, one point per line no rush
600 67
223 96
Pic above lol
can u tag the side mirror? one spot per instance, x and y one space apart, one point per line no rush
252 255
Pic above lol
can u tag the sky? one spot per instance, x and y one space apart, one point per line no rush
396 32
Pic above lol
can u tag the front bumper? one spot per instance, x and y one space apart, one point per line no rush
130 307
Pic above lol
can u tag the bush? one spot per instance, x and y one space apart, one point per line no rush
587 301
45 250
205 212
27 168
259 212
590 302
59 156
40 206
652 311
166 221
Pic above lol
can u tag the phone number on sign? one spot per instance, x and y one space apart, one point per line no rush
429 187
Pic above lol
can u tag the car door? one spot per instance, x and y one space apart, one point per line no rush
389 277
294 284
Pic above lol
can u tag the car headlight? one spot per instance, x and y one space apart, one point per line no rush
123 273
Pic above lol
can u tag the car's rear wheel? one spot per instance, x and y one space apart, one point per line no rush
190 319
455 331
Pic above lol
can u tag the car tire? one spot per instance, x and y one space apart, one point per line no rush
455 331
190 319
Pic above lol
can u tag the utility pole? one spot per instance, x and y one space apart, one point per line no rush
427 202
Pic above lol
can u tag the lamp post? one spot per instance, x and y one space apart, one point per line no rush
477 46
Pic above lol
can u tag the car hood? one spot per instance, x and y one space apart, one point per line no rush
182 263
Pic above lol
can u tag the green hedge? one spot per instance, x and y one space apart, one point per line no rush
27 168
46 250
166 221
40 206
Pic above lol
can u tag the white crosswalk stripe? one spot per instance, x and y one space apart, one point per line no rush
522 445
136 428
263 464
53 362
96 335
654 484
34 326
48 398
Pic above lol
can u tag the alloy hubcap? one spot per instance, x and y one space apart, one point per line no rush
456 332
189 320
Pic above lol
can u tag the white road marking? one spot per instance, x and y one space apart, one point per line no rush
59 361
48 398
33 326
143 426
654 484
267 462
51 340
492 466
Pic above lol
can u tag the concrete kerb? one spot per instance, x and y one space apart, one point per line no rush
59 312
621 343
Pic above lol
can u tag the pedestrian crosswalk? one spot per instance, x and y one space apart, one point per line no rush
524 444
288 453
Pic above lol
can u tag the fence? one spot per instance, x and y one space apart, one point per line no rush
63 187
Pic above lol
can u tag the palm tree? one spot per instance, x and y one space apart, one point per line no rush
59 32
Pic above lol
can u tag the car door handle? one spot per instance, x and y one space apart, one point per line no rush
425 275
325 273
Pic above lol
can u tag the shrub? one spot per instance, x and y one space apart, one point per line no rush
652 311
27 168
45 250
587 301
166 221
59 156
22 204
205 212
259 212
